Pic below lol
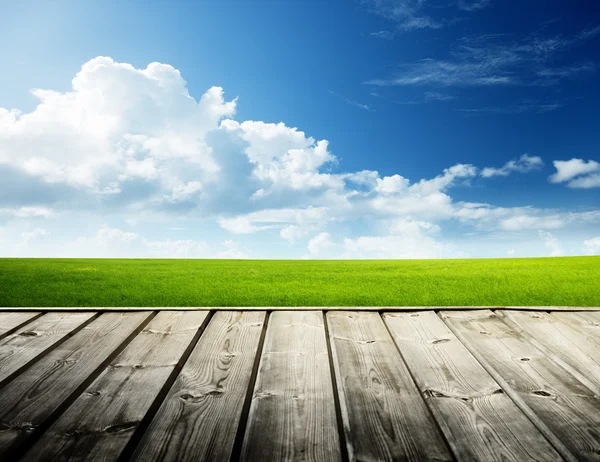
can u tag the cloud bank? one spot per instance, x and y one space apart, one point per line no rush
134 144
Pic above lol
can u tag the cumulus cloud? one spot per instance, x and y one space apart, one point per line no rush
134 144
577 173
524 164
592 246
551 243
110 242
26 237
319 244
406 238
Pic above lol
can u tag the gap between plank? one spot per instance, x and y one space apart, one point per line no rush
19 450
412 377
236 451
135 439
512 394
43 353
23 324
336 397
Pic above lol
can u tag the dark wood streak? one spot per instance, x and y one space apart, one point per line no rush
292 416
384 415
479 420
199 417
29 400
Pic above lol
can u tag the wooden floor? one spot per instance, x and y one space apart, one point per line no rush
300 385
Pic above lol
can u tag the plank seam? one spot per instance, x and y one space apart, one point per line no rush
514 396
23 324
43 353
548 352
336 397
138 434
20 449
236 450
412 377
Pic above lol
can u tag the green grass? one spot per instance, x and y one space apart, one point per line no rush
98 282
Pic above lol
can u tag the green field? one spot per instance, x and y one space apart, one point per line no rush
98 282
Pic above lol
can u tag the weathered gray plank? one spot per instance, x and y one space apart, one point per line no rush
567 338
584 328
498 428
29 400
29 341
292 416
384 415
10 320
99 424
198 419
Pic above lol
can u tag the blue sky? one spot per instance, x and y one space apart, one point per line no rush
300 129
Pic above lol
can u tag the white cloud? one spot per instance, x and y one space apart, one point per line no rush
551 243
577 173
592 246
519 222
391 184
112 242
134 145
232 251
407 238
26 237
28 212
524 164
292 233
319 244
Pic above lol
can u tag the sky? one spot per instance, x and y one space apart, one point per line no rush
299 129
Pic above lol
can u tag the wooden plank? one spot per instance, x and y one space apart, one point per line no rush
306 308
12 320
31 340
199 417
383 413
479 420
568 338
585 326
32 397
292 415
101 421
592 319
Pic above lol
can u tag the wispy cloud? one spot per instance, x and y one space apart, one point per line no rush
473 5
407 14
428 97
495 59
436 96
351 102
523 107
524 164
384 34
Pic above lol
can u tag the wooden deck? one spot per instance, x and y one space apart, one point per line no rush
316 385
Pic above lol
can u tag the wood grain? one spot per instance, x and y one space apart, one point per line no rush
568 338
30 399
10 321
199 417
24 345
478 419
383 413
568 409
292 416
99 424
